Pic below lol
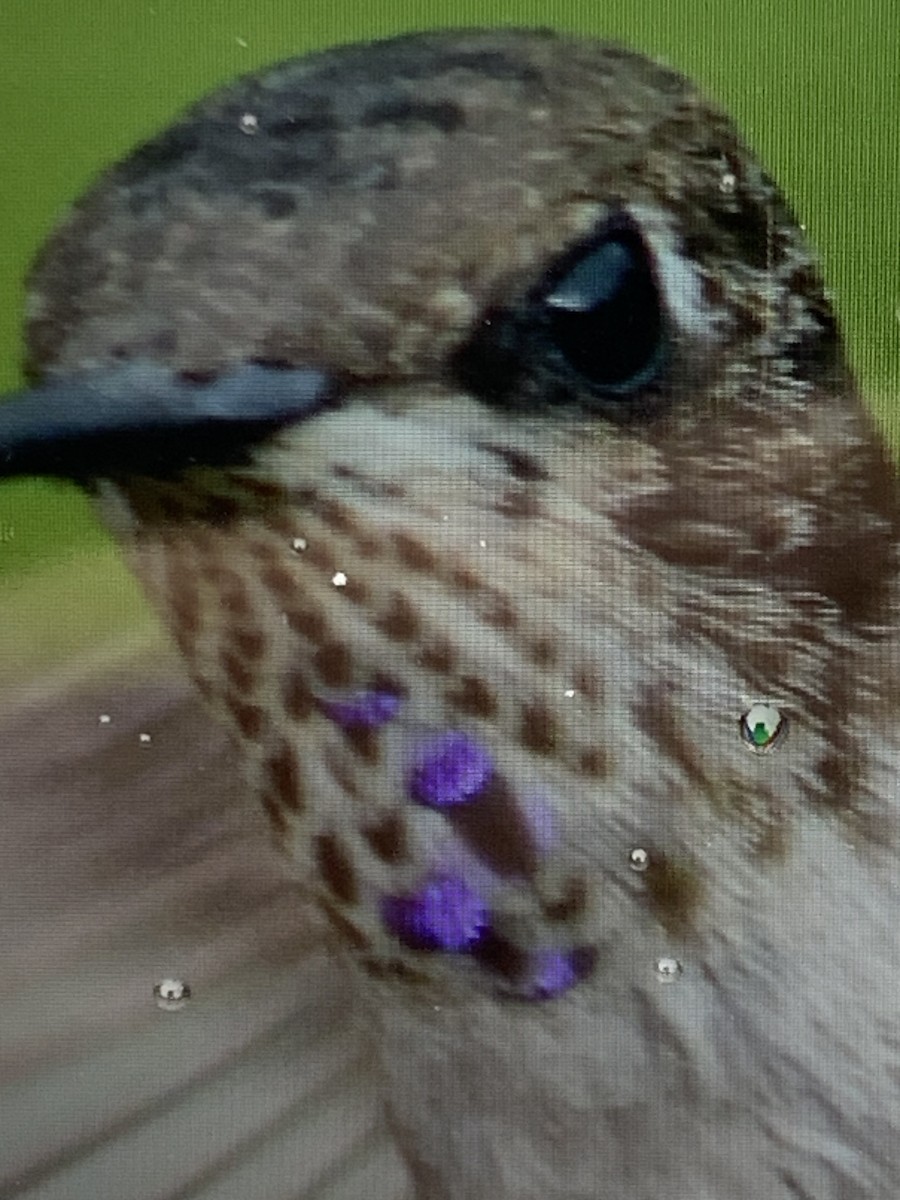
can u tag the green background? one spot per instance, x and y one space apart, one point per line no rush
812 83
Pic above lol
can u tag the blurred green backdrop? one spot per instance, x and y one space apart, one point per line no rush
813 84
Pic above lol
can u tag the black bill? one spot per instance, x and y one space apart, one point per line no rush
144 419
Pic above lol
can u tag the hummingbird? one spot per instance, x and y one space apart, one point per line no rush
472 410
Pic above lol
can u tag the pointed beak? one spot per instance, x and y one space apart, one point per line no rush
144 419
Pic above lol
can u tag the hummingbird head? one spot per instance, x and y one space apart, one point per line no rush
471 407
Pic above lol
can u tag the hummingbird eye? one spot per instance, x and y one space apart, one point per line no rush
593 333
602 315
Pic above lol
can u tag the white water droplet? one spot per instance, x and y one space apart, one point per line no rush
105 719
727 182
249 123
339 579
299 544
171 994
145 739
762 725
667 969
638 859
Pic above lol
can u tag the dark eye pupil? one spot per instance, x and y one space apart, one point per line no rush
604 315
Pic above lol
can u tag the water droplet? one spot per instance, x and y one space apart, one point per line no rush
482 543
171 994
105 719
145 739
638 859
249 123
242 42
667 969
299 544
762 725
339 579
569 693
727 182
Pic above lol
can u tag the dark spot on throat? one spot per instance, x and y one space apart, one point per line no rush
501 955
273 812
543 652
332 663
249 643
364 743
400 621
570 903
499 612
240 675
250 718
413 553
354 936
308 622
519 464
279 581
518 503
336 868
387 838
539 730
493 827
296 695
656 715
594 762
284 782
474 696
675 889
438 656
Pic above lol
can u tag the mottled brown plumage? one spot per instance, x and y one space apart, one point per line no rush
586 585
